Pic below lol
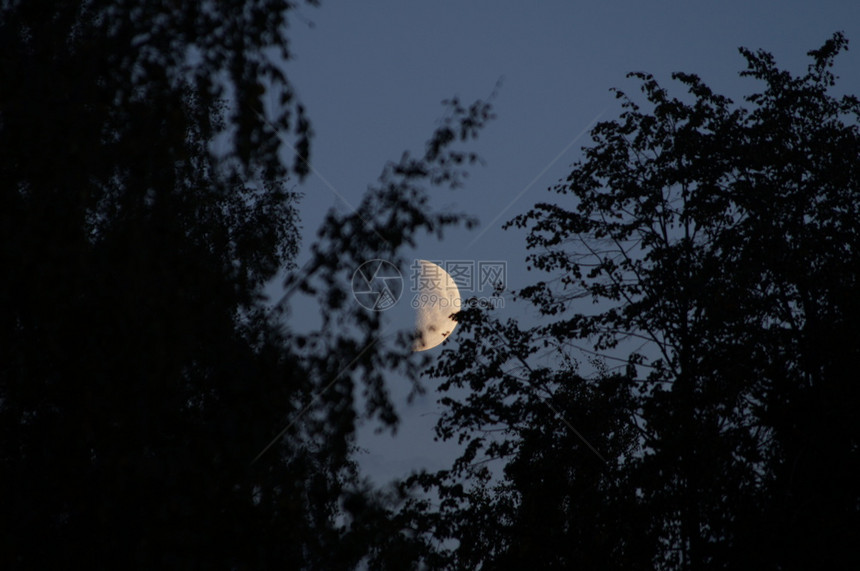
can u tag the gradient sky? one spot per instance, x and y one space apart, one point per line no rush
372 76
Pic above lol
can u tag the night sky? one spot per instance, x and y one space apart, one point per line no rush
373 75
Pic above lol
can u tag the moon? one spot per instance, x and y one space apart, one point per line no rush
436 299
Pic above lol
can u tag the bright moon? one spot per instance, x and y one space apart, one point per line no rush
438 297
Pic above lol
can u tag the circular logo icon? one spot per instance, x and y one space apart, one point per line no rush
377 285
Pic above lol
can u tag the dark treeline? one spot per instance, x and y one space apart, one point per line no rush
722 242
145 202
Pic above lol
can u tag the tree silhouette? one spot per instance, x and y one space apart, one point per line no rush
143 205
720 244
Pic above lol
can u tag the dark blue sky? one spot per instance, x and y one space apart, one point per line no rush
372 76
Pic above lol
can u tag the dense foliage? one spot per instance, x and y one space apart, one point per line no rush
144 204
156 413
719 244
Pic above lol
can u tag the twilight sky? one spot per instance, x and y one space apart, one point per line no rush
372 76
